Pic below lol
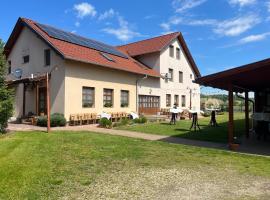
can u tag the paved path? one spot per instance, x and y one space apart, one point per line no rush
251 146
124 133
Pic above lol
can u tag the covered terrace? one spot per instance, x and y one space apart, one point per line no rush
254 77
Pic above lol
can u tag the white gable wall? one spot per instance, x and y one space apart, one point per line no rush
29 44
161 87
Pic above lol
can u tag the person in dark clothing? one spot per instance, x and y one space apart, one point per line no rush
174 115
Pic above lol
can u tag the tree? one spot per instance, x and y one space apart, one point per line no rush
6 94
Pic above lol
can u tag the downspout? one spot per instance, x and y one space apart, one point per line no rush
137 93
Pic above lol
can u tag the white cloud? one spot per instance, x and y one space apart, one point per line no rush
202 22
237 26
254 38
242 3
123 32
166 26
149 16
77 24
184 5
107 14
84 9
268 5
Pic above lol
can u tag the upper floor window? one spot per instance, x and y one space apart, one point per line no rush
47 57
172 51
26 59
181 77
124 98
168 100
88 97
9 67
191 77
178 53
170 75
108 98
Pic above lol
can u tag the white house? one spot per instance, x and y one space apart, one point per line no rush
170 56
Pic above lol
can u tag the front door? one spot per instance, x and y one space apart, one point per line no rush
42 101
149 104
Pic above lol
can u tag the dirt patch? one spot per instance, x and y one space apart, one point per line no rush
152 183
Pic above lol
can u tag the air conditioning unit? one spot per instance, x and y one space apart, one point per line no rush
168 76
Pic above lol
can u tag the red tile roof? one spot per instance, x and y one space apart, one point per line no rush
157 44
79 53
150 45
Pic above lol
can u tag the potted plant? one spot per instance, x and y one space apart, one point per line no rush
124 105
235 145
108 105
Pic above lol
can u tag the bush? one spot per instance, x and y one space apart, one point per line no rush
56 119
105 123
140 120
122 122
206 114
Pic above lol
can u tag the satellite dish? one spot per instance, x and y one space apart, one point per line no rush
18 73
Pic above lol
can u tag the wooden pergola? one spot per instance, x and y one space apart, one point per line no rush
35 80
248 78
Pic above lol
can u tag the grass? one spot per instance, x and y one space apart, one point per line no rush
182 128
36 165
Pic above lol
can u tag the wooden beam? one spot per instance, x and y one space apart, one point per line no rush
24 88
247 114
231 122
37 98
48 103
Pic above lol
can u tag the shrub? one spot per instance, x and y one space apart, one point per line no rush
122 122
56 119
105 123
140 120
206 114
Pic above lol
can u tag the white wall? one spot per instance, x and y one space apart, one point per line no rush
161 87
29 44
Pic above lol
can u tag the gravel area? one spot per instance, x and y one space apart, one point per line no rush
152 183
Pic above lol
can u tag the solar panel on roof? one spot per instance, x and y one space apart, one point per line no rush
76 39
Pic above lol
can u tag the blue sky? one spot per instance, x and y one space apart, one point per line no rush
220 34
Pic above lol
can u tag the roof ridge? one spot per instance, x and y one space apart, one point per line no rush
177 32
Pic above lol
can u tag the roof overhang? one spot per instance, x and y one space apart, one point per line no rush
250 77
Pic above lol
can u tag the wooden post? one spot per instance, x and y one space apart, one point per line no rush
24 88
247 114
231 123
37 98
48 103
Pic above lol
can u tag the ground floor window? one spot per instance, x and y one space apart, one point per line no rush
88 97
124 98
168 100
176 100
183 100
108 98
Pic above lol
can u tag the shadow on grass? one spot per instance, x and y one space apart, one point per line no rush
212 134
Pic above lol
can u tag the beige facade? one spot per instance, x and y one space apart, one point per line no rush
79 75
162 62
29 44
67 80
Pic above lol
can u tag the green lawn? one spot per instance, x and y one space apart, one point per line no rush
181 129
72 165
